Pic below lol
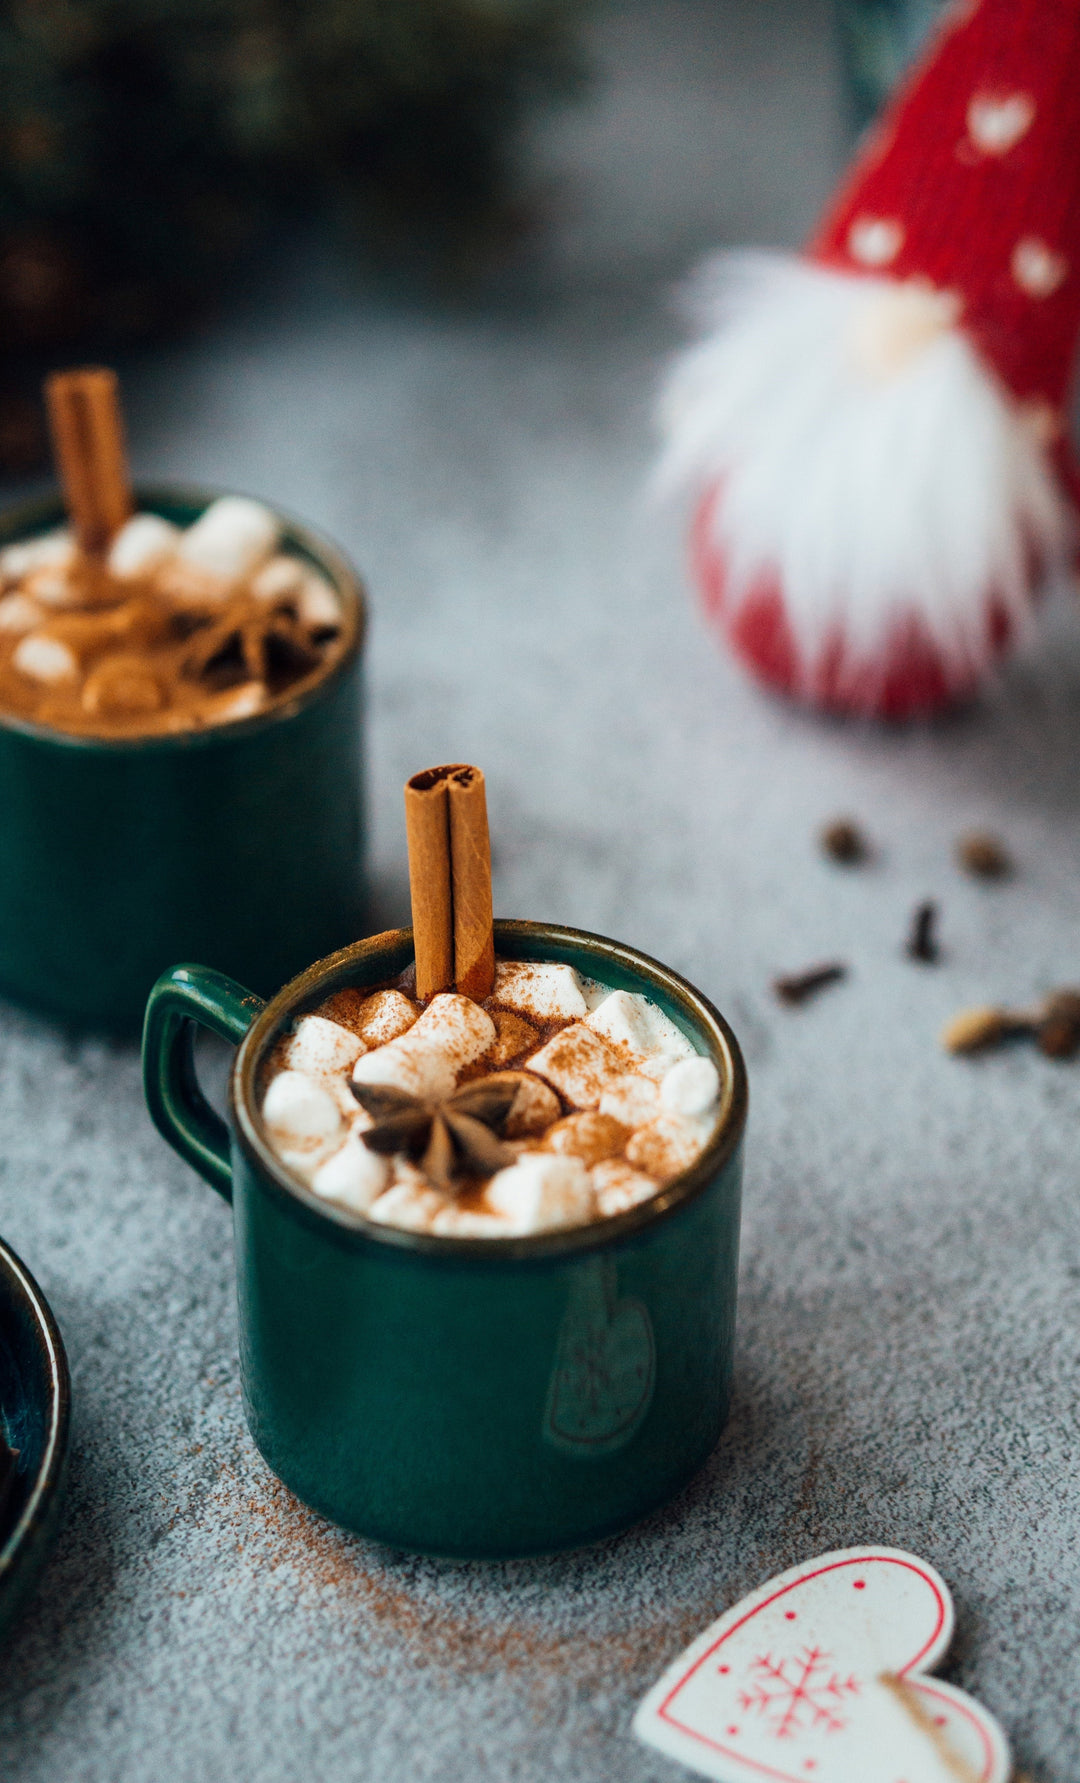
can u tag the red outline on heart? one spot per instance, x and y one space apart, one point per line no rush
921 1682
931 1687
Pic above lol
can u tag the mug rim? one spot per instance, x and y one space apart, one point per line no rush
50 1468
26 517
358 1230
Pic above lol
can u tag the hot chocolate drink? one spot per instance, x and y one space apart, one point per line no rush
476 1097
553 1102
172 631
125 625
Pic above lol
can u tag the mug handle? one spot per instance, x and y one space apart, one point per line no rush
183 998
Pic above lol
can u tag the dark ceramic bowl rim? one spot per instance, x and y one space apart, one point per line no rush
50 1470
34 516
310 986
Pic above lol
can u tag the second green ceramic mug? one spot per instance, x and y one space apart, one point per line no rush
466 1397
242 844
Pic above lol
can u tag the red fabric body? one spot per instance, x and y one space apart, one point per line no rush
911 679
978 161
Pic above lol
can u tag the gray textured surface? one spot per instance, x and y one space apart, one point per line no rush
910 1314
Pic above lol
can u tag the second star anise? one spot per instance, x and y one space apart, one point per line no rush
455 1137
250 638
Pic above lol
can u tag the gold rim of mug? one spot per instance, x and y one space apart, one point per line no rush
32 517
333 972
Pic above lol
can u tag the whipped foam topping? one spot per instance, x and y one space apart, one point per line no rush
606 1101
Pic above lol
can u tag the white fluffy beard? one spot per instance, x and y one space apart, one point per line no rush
869 466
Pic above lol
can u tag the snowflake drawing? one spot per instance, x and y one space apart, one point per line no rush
795 1695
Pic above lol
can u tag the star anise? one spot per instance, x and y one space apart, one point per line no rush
458 1136
250 639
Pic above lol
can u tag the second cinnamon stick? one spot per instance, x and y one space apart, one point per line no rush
427 827
470 859
88 442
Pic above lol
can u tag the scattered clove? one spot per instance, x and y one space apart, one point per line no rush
1058 1032
844 841
797 987
974 1029
1054 1026
922 942
983 855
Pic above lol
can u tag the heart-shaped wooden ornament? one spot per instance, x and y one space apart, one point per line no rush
818 1677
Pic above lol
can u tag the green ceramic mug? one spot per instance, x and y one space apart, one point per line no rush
483 1397
242 844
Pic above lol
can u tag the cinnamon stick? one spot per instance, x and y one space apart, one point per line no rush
450 880
470 859
88 443
427 827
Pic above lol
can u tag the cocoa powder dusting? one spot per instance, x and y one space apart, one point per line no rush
262 1512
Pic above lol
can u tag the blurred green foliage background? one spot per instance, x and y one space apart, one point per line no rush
147 145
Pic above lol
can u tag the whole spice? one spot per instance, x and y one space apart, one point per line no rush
974 1029
1054 1026
798 986
845 842
88 438
1058 1032
451 1138
450 880
984 855
922 942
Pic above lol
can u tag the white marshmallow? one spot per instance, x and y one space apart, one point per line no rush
408 1204
321 1048
44 659
52 586
429 1059
580 1064
231 538
305 1161
355 1176
386 1016
691 1087
461 1222
19 613
318 605
538 988
54 550
143 542
280 579
237 702
534 1108
668 1145
629 1020
300 1111
542 1191
618 1187
632 1099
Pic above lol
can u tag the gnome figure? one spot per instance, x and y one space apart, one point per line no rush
877 431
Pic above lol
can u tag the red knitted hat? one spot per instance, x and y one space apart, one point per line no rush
972 181
881 426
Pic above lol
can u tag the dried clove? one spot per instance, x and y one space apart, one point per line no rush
922 941
1058 1032
984 855
797 987
974 1029
843 841
1054 1026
